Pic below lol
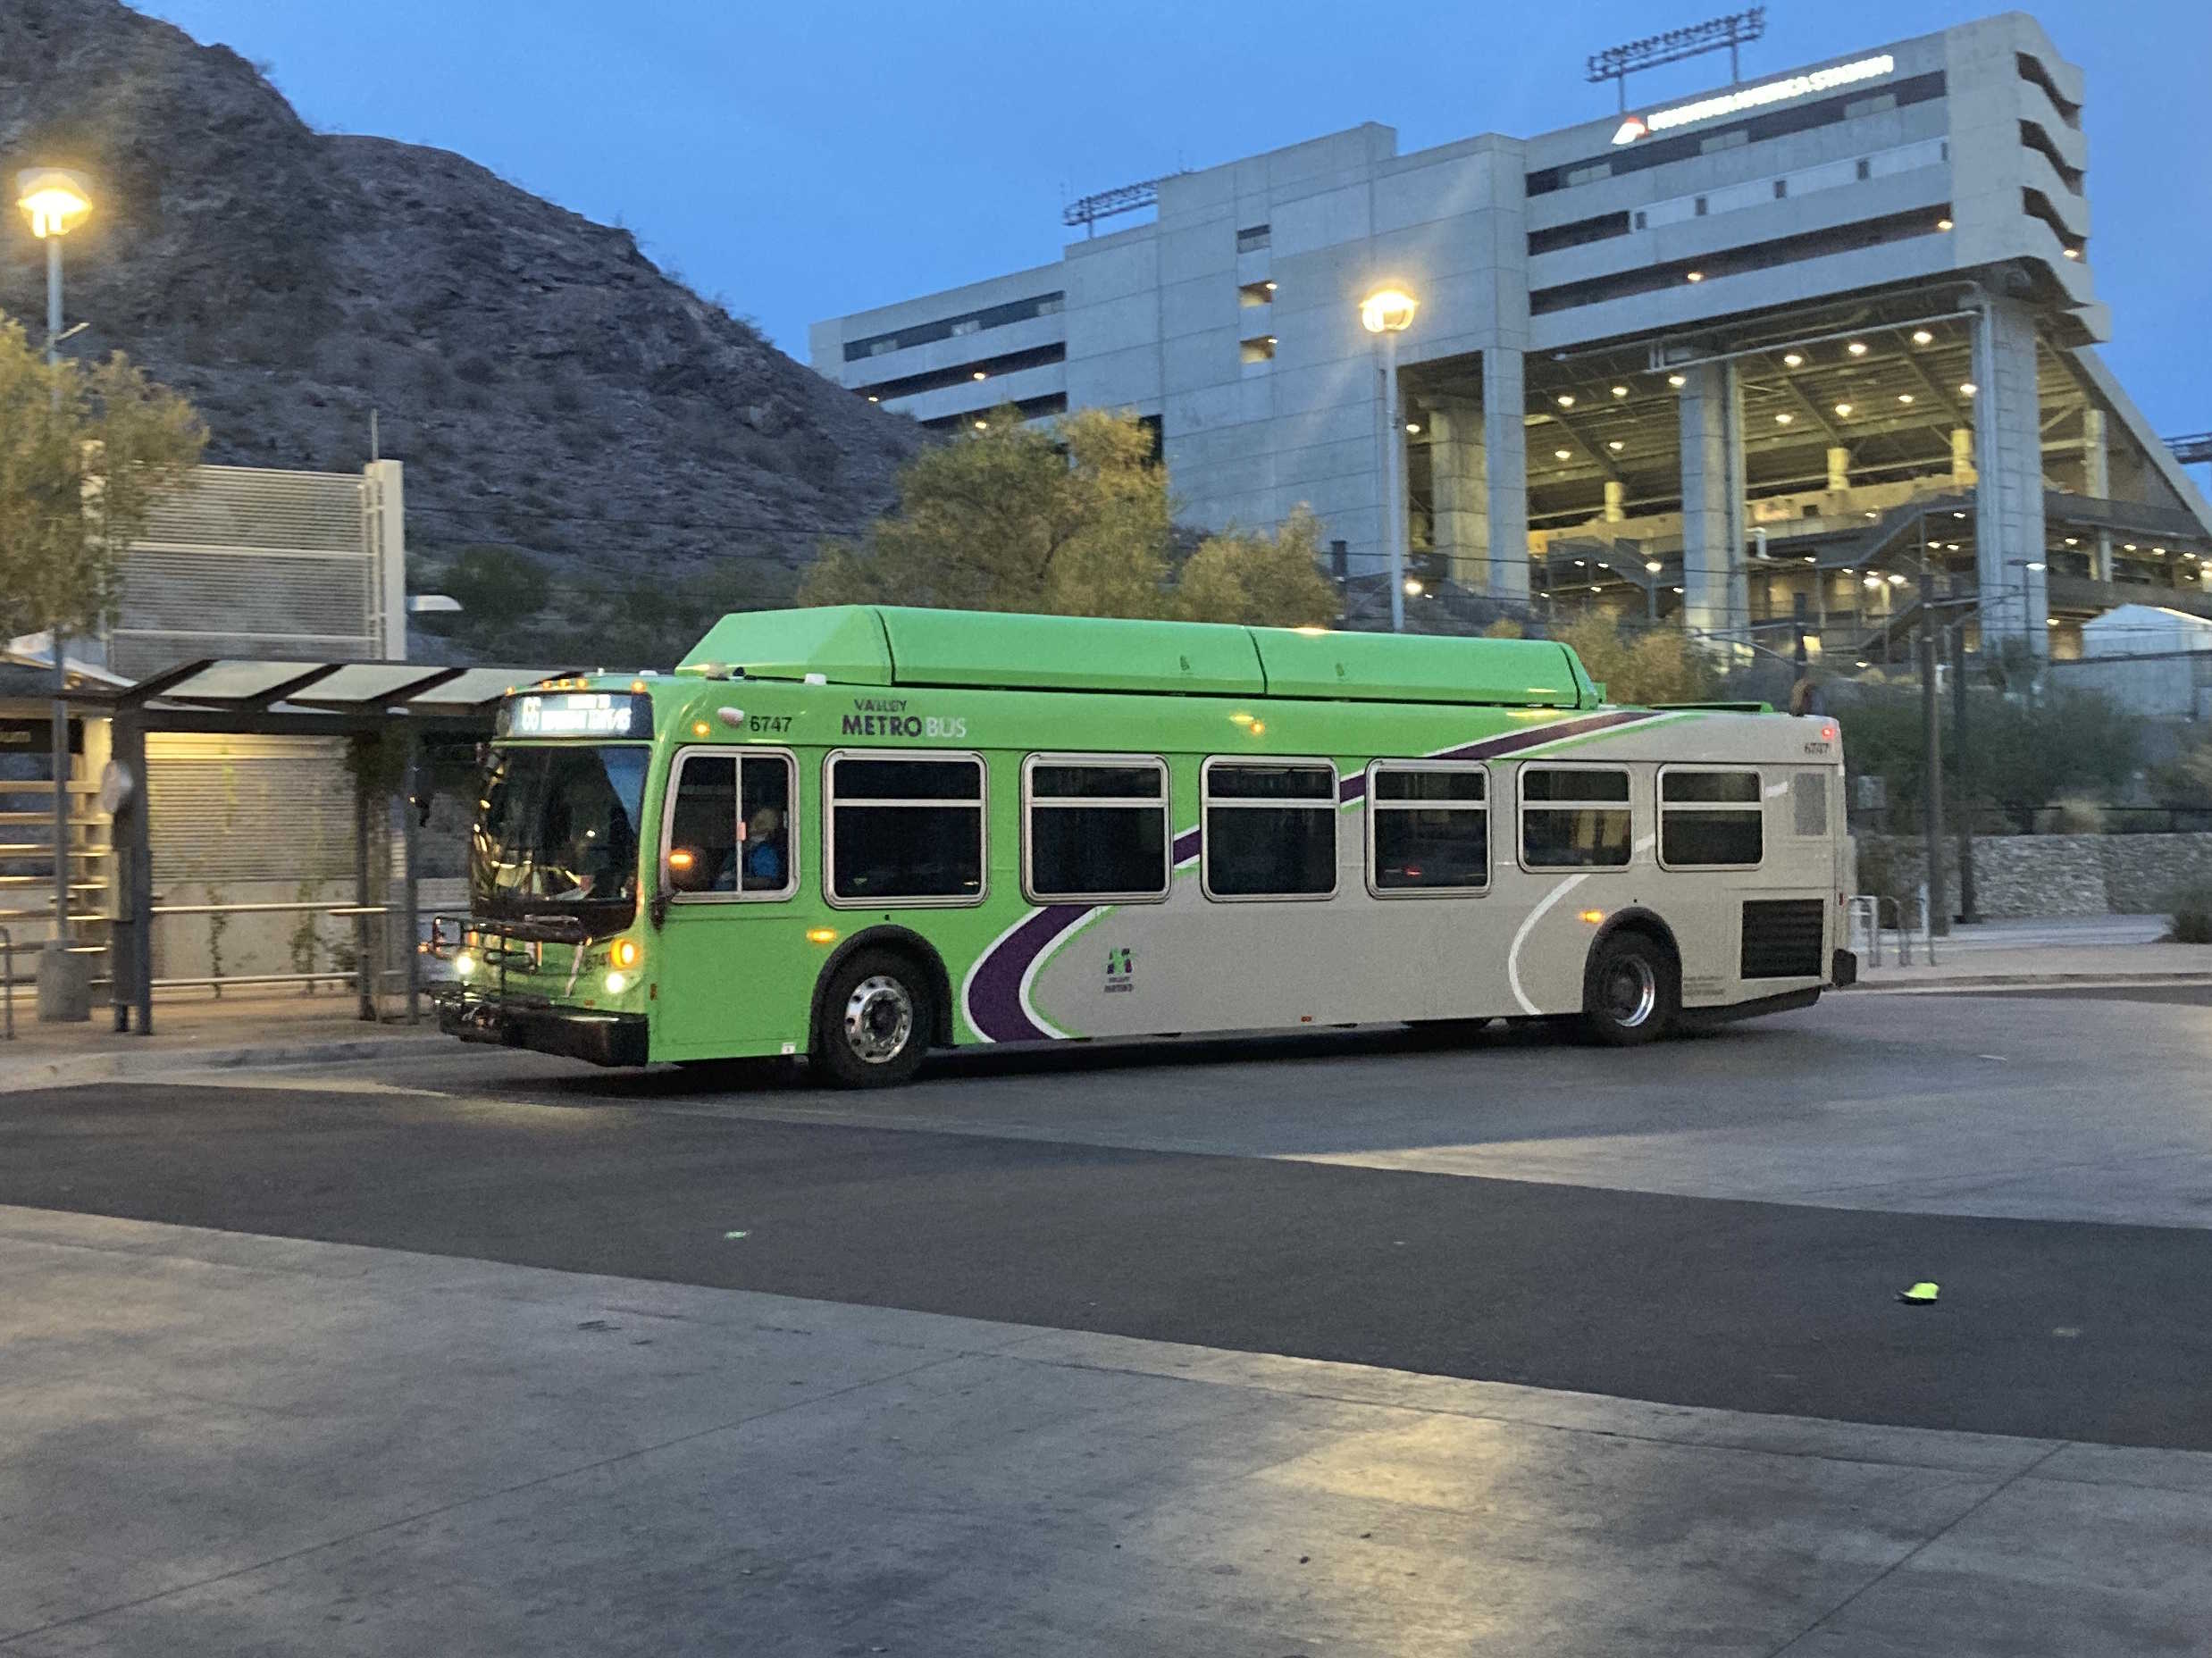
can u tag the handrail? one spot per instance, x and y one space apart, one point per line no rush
7 979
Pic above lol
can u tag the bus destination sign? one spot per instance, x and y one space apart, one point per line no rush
576 714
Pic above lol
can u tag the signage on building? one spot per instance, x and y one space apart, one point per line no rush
1786 90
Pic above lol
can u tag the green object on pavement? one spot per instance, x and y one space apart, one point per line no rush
1921 1294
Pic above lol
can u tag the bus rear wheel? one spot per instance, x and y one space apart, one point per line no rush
875 1021
1630 994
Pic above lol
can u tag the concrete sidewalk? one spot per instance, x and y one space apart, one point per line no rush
212 1443
2053 951
286 1029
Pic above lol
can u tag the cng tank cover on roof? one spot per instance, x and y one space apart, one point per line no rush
886 645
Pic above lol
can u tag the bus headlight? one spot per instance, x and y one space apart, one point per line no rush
464 965
617 982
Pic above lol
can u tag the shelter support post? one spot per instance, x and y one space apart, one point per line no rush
131 948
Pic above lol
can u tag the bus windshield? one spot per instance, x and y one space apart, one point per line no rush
557 835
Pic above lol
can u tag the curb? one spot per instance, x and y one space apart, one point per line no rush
2026 981
73 1070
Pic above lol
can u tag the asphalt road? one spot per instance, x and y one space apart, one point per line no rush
2050 1329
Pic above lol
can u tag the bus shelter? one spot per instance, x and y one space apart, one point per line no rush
400 722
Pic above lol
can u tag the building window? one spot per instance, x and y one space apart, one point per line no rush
1579 233
946 327
1781 189
1269 829
1864 169
1428 828
1697 208
1252 294
1260 350
1251 239
1643 219
1573 818
1881 102
1097 829
905 829
1723 141
729 833
1709 820
1590 175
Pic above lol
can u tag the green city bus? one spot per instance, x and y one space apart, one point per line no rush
858 832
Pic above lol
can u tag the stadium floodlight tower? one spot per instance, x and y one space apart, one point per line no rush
1719 34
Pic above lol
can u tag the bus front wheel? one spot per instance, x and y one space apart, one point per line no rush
874 1023
1629 993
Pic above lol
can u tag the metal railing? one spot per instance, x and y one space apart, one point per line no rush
7 980
365 973
1863 917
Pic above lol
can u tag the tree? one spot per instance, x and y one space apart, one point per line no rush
2017 758
1648 665
1069 519
84 454
1268 580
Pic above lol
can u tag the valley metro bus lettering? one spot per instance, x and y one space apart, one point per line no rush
886 717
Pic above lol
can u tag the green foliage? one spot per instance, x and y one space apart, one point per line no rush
84 453
512 612
1642 666
2017 757
1267 581
2192 909
2187 779
1073 519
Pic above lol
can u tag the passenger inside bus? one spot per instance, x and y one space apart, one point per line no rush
764 850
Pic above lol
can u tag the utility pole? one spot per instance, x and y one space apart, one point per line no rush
1958 764
1800 695
1931 788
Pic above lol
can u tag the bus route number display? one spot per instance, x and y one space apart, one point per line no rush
577 714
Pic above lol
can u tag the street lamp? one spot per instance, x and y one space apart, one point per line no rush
1385 313
57 201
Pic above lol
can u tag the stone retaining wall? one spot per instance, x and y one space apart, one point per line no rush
2055 874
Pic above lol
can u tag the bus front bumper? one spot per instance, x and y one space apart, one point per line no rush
571 1033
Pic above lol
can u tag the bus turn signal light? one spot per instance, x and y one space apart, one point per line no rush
821 935
626 952
1593 916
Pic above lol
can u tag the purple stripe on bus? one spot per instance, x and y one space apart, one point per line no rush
994 993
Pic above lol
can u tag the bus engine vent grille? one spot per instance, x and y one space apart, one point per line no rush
1783 938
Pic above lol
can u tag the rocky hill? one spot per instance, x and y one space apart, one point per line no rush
551 391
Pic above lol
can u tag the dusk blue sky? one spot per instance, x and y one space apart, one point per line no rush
800 161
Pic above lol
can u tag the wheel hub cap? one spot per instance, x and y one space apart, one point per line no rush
879 1020
1631 993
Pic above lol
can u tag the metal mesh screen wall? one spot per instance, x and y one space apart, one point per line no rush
253 562
249 808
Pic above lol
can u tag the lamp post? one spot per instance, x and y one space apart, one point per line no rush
57 201
1385 313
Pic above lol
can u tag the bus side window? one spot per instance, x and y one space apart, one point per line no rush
1574 817
768 866
702 827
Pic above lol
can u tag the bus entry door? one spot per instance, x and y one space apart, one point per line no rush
730 868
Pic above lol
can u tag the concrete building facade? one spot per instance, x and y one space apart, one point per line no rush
1776 349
